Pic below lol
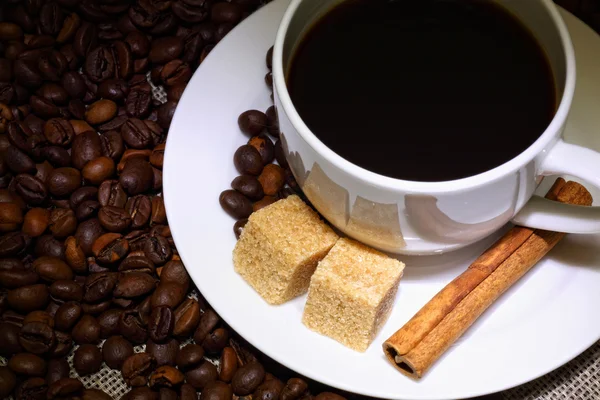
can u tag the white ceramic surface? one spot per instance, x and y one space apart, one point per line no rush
430 217
546 320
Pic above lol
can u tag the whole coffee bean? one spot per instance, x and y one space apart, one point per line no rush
27 364
159 214
64 181
269 82
19 162
110 248
215 341
137 176
77 108
272 179
238 227
52 269
123 59
294 389
87 209
73 60
252 122
165 114
115 90
13 243
39 316
136 368
247 378
170 394
222 30
9 339
80 126
65 388
85 39
137 134
109 322
59 131
226 12
55 93
31 189
269 390
67 315
133 326
111 193
165 49
87 359
73 84
11 216
58 368
163 353
32 388
266 201
63 222
161 324
56 156
249 186
138 102
86 331
115 351
51 18
134 284
141 393
52 65
48 245
168 294
228 364
187 317
112 145
99 64
99 286
74 255
44 108
175 72
86 147
329 396
235 204
139 44
66 290
248 160
202 375
157 249
94 394
190 356
27 73
137 261
98 170
36 337
265 147
114 219
175 272
69 27
10 31
166 376
86 234
28 298
101 111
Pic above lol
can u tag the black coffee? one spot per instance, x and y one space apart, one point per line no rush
423 90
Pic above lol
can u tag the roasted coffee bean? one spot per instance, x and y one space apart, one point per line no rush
115 90
52 269
110 248
249 186
228 364
74 255
87 330
174 93
27 73
294 389
163 353
174 272
27 135
67 315
64 344
77 109
217 391
87 359
86 234
63 222
168 294
165 114
272 179
55 93
87 209
112 144
114 219
73 60
18 162
175 72
329 396
115 351
66 290
170 394
247 378
137 134
208 322
111 193
99 64
13 243
86 147
159 214
252 122
98 170
17 277
248 160
226 12
123 59
44 170
235 204
48 245
101 111
139 263
80 126
9 339
161 324
56 156
32 388
238 227
265 147
269 82
85 39
133 326
222 30
95 394
215 341
269 390
187 317
73 84
141 393
31 189
99 286
136 368
58 368
59 131
165 49
266 201
140 208
134 284
109 322
36 337
137 240
39 316
157 249
10 31
138 102
44 108
28 298
65 388
166 376
64 181
27 364
51 66
190 356
11 216
139 44
202 375
51 18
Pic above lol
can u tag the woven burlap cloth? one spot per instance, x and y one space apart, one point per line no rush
579 379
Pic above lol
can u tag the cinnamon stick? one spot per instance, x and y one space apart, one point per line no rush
423 339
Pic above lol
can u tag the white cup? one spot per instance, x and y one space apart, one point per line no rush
410 217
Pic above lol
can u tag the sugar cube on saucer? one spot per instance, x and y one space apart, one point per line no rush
351 293
280 247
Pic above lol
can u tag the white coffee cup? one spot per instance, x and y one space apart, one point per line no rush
431 217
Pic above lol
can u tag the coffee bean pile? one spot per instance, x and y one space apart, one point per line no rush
88 267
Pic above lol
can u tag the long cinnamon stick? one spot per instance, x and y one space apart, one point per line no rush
423 339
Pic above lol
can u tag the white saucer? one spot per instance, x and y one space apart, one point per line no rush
550 317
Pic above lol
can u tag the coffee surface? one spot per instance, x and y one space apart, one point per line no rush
428 90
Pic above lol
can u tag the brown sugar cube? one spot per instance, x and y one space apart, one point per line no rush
352 293
280 247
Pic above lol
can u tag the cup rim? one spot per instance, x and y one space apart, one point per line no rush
399 185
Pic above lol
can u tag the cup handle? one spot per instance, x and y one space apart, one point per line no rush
541 213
